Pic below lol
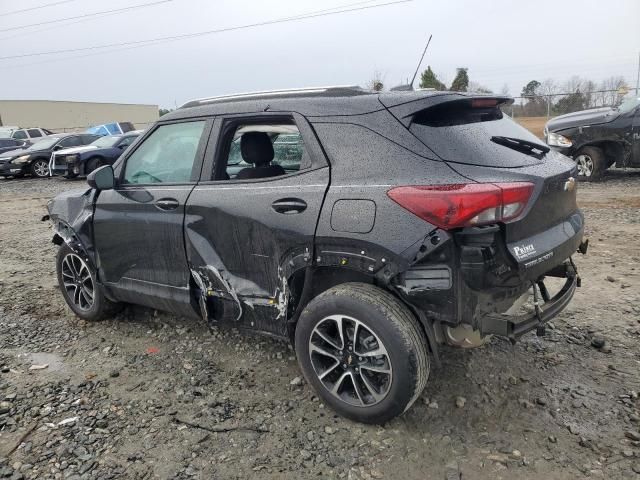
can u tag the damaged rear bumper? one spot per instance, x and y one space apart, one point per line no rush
514 326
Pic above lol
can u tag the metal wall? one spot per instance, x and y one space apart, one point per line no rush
62 116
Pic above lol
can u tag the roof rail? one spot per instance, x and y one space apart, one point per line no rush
338 90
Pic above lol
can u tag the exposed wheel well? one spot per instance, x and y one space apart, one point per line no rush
308 283
322 279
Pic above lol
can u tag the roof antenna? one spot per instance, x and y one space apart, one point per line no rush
409 86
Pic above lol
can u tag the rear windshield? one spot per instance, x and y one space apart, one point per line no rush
458 132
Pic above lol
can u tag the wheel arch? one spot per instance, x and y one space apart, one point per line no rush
307 284
613 150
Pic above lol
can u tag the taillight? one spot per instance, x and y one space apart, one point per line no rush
464 205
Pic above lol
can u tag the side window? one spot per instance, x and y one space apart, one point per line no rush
87 139
166 156
70 142
20 135
34 132
125 142
262 150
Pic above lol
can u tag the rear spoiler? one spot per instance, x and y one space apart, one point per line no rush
404 111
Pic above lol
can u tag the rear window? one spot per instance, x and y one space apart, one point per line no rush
461 132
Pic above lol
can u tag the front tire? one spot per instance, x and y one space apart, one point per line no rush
40 168
591 164
77 281
93 164
363 352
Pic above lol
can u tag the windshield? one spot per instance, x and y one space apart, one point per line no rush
44 144
106 142
629 103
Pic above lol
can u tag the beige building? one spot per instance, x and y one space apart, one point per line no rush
61 116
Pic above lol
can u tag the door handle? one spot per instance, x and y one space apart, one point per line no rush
289 206
167 204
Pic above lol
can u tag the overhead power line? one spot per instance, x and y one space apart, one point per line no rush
36 8
142 43
86 15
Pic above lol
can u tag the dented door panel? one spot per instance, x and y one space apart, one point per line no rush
242 252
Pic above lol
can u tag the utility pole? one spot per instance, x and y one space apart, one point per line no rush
638 77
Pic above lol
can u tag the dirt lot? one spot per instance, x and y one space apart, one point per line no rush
148 395
534 124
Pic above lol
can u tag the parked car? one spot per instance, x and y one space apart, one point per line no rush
35 159
8 144
115 128
6 131
598 138
31 134
83 160
398 222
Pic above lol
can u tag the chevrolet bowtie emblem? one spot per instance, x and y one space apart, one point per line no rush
570 185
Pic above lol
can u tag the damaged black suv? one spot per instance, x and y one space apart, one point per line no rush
365 228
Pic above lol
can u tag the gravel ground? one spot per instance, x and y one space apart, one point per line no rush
149 395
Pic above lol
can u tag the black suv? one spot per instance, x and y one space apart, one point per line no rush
365 228
598 138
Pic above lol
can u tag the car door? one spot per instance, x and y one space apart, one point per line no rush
138 226
247 238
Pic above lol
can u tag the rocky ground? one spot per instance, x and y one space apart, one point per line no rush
148 395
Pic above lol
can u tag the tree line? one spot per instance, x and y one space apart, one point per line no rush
537 98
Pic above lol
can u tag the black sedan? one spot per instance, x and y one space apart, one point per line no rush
8 144
35 159
75 161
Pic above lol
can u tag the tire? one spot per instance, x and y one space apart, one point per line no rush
384 326
92 164
77 280
591 164
40 168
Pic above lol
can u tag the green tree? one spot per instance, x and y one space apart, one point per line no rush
428 79
571 103
531 89
164 111
461 82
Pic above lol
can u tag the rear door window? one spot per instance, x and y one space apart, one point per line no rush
460 132
34 133
289 154
70 142
166 156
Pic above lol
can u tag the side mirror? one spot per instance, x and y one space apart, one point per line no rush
102 178
58 147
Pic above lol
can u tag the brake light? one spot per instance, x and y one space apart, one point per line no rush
464 205
483 102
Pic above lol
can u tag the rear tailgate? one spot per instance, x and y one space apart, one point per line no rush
459 129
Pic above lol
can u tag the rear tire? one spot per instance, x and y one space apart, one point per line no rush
363 352
77 281
591 164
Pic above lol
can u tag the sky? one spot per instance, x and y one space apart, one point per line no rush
501 42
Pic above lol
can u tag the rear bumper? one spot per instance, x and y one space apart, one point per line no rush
514 326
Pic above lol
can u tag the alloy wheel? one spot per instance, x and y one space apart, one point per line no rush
585 165
350 360
41 168
77 281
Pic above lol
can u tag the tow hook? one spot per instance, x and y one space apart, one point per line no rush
583 247
540 329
